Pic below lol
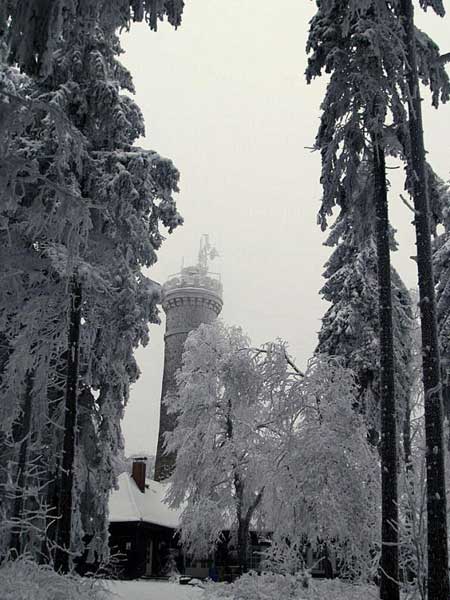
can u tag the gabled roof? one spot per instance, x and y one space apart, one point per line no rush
129 504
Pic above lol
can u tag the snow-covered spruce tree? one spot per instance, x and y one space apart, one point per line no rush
438 584
133 193
362 47
39 201
34 27
235 408
348 44
327 475
350 326
94 212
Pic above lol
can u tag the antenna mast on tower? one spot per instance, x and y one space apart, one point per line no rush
206 253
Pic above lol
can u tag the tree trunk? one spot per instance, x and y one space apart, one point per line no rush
243 532
244 521
389 584
22 434
446 404
65 487
438 581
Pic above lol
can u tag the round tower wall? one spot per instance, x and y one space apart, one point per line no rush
186 309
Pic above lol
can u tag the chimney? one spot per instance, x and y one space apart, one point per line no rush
138 472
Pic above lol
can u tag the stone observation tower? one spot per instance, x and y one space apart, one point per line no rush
189 298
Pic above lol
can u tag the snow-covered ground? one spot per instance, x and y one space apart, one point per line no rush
152 590
161 590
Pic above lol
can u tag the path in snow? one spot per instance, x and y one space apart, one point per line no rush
152 590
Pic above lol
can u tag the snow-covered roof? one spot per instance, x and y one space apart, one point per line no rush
128 503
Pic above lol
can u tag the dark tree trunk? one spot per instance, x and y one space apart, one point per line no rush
244 521
65 484
446 404
389 584
438 581
22 436
243 533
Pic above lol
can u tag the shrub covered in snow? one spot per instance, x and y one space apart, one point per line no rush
257 587
25 580
271 586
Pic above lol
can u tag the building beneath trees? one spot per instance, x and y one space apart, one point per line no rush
142 528
143 538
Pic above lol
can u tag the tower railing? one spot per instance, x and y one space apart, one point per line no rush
195 278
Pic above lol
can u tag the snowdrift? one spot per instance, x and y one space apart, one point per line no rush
25 580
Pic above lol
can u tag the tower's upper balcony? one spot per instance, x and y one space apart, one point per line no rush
195 286
194 277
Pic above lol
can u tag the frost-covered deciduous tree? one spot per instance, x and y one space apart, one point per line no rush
235 408
328 476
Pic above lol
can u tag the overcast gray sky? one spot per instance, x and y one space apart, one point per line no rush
225 98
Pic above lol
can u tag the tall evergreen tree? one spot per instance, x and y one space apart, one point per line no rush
80 201
360 89
350 326
438 583
363 48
